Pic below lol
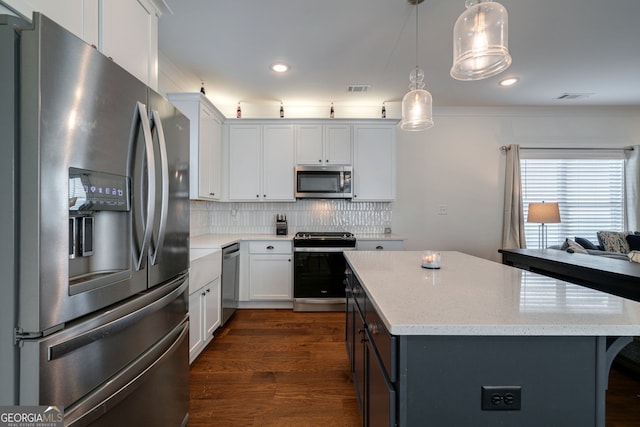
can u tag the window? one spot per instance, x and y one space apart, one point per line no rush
588 186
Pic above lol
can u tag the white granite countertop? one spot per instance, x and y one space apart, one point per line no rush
474 296
197 253
379 236
220 240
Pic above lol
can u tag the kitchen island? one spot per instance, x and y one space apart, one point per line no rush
478 343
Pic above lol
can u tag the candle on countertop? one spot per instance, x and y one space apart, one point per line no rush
431 259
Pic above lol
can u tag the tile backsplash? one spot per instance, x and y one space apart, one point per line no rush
303 215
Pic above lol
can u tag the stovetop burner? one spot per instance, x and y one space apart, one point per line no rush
324 239
324 235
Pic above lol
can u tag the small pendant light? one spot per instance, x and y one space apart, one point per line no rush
417 103
480 41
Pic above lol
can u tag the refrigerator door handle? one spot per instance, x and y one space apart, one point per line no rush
151 184
123 321
162 228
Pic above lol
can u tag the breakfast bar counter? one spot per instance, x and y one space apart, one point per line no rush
476 342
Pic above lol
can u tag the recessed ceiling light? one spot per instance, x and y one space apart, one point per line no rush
509 81
279 68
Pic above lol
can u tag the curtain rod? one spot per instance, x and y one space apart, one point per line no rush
506 148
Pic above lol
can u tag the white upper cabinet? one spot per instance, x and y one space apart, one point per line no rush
261 162
245 144
337 144
318 144
278 163
374 166
125 30
262 154
129 35
309 144
205 158
78 16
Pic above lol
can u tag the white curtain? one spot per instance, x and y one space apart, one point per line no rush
632 188
513 215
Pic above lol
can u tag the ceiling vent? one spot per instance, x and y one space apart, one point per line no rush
574 95
358 88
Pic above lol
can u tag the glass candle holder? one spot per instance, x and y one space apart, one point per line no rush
430 259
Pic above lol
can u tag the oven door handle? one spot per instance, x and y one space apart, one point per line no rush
322 249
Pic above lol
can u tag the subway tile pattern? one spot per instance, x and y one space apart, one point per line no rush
303 215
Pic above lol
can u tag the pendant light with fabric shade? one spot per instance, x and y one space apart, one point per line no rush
417 103
480 41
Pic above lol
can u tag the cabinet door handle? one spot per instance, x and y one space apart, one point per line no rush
379 247
208 290
374 328
320 160
258 196
212 194
269 247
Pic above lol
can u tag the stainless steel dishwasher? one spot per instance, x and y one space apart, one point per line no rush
230 280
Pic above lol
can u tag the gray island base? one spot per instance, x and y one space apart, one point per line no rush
478 343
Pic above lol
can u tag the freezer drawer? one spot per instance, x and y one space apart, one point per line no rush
66 367
153 391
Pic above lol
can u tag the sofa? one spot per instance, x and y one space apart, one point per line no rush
611 244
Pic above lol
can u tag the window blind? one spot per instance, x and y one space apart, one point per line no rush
589 192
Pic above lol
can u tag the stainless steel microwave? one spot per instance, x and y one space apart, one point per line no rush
323 182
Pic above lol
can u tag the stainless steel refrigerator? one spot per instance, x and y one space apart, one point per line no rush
95 233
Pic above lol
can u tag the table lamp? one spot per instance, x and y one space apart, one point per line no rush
543 213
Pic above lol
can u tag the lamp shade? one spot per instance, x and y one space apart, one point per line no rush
416 110
480 41
544 213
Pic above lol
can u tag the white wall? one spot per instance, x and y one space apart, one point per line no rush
458 164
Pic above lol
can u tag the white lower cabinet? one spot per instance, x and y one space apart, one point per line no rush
204 317
205 301
380 245
270 271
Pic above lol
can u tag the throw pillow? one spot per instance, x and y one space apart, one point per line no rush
585 243
634 242
575 247
614 241
634 256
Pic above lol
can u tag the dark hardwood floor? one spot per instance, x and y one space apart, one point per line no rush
275 368
280 368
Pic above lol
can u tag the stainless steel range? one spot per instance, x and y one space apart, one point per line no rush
319 270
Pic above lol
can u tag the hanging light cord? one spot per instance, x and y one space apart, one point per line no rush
417 35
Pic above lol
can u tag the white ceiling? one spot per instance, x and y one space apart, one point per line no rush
558 46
